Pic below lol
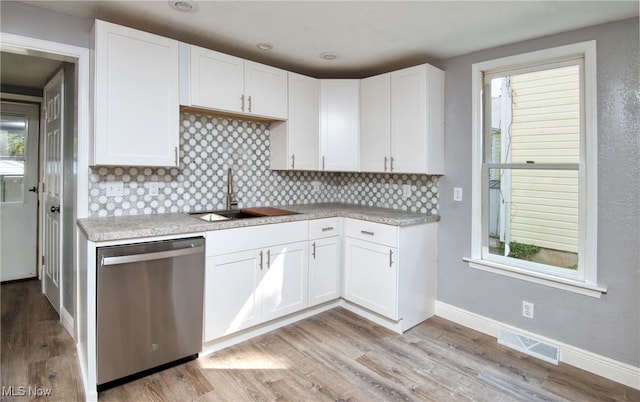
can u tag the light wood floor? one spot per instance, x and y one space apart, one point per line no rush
332 356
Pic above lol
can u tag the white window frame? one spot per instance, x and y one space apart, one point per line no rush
585 280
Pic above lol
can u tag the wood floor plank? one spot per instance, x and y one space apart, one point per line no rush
333 356
185 379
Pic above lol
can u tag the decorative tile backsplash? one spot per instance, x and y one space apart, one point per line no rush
210 145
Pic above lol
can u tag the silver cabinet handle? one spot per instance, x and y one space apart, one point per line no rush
242 102
268 258
249 103
176 154
293 161
327 229
260 260
366 232
313 252
323 163
386 160
390 258
392 159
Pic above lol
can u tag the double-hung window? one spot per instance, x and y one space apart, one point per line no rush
534 160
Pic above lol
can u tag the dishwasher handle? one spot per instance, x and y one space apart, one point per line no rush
124 259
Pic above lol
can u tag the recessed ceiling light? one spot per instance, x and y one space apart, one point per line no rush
329 56
264 46
183 5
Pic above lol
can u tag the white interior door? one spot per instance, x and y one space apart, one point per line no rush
18 190
52 188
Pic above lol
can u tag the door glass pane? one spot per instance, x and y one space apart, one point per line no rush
13 136
533 215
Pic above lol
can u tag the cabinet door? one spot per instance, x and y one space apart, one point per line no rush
136 97
417 120
232 293
284 286
324 270
304 130
408 120
339 125
217 80
375 123
371 276
265 90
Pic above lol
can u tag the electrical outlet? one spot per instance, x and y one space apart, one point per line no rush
527 309
115 189
406 190
457 193
153 188
316 186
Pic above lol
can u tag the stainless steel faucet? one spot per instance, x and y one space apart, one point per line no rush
231 202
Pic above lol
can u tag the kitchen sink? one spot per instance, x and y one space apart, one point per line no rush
236 214
222 215
246 213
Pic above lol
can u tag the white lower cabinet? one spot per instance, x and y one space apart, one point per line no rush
391 270
232 300
248 281
325 265
284 282
260 273
371 278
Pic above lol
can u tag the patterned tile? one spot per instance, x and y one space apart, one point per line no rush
210 145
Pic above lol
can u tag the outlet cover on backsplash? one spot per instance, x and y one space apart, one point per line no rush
209 145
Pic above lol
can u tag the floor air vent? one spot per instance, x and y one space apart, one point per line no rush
531 346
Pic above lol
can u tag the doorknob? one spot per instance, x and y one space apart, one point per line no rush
55 209
33 189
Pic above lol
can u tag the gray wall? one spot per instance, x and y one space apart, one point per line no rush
20 19
609 326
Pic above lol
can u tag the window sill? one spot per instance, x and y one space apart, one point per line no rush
542 279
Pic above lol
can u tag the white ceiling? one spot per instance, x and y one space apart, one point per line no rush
370 36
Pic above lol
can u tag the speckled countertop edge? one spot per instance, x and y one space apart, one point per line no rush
140 226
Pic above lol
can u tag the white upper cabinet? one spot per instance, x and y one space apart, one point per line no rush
218 81
402 121
339 125
265 89
295 143
417 120
136 99
375 123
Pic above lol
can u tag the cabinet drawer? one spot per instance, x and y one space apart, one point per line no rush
326 227
373 232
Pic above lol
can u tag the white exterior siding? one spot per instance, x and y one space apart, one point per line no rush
545 128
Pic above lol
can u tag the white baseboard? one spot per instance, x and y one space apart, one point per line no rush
600 365
67 322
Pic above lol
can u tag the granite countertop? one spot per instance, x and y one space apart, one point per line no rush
139 226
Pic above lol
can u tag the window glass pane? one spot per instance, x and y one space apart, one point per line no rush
533 215
535 117
12 158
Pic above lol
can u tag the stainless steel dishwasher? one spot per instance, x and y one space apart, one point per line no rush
149 307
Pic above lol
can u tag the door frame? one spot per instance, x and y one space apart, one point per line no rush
81 58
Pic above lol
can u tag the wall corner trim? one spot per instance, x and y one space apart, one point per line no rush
614 370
